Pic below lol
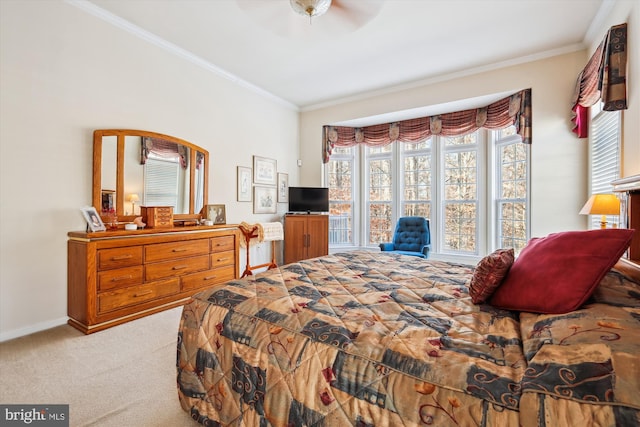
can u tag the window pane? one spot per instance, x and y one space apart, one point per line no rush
340 223
381 150
511 130
418 209
380 195
460 195
413 146
460 226
380 180
512 195
341 187
341 150
380 226
340 180
461 140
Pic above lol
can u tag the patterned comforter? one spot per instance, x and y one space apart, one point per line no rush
373 339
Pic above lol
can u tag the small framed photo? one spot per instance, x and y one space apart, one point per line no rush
217 214
244 184
283 188
94 222
264 170
264 199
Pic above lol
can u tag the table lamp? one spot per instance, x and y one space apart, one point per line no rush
133 198
602 204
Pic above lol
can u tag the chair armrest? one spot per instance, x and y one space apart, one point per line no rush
425 250
386 246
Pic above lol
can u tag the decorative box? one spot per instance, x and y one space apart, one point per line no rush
157 216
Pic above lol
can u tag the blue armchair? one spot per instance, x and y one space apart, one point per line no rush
411 237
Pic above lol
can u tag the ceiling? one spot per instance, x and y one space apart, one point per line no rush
358 46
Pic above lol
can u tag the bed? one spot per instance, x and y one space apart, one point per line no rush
373 339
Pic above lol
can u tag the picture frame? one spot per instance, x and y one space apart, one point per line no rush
94 222
216 213
264 199
244 184
283 187
264 170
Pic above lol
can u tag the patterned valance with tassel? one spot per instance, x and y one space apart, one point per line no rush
512 110
603 78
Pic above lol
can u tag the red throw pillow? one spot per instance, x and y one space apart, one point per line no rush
489 274
558 273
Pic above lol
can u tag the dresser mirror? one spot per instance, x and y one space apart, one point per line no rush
133 168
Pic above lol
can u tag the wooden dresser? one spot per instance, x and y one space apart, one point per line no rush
117 276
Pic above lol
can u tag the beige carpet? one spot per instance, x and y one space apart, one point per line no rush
124 376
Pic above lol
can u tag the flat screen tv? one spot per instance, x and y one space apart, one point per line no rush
308 199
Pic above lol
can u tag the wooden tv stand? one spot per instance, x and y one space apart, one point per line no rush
118 276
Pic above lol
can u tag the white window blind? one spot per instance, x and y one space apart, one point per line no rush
605 156
161 182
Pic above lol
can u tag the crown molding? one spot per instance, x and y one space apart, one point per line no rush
149 37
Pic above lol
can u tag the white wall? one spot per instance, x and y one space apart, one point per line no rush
65 73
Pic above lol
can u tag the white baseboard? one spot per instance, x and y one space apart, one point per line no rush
42 326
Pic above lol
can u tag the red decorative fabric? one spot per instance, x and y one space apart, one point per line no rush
558 273
512 110
489 274
581 121
603 78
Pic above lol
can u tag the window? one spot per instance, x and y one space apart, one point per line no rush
512 189
161 180
340 172
444 179
460 199
604 155
379 176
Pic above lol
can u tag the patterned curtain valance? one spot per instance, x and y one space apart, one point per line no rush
603 78
514 109
162 148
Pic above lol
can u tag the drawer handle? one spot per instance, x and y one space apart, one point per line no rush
116 279
179 267
178 250
142 294
222 259
121 257
210 277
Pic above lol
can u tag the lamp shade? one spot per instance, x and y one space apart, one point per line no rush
601 204
133 197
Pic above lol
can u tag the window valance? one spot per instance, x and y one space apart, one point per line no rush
165 149
603 78
512 110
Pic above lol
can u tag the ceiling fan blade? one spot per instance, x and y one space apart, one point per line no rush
356 12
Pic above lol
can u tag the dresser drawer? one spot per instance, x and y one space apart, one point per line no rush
166 251
119 257
208 278
223 243
120 278
178 267
221 259
120 298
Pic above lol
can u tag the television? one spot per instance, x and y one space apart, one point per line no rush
308 199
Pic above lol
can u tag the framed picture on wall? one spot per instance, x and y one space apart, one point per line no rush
264 170
283 188
94 222
264 199
217 214
244 184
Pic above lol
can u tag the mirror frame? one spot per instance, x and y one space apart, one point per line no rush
120 196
